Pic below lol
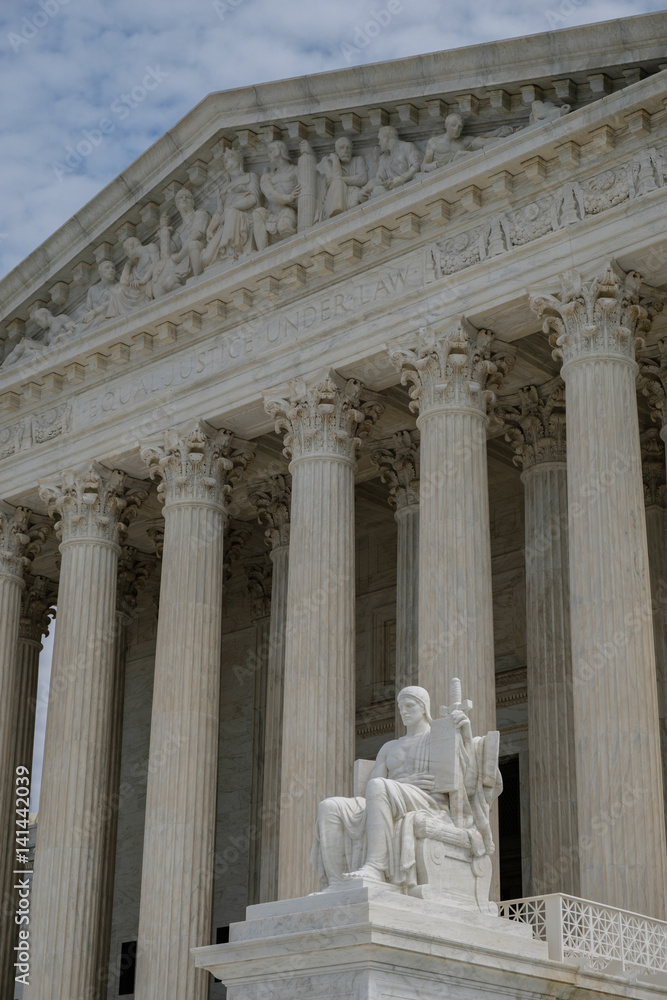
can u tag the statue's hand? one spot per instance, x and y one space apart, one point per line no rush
462 723
424 781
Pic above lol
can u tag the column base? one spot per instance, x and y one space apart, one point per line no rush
364 941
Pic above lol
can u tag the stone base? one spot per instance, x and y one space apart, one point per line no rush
366 942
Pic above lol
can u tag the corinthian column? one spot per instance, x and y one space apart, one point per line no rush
536 428
595 328
398 461
655 499
134 569
196 469
67 899
18 544
272 501
322 421
454 372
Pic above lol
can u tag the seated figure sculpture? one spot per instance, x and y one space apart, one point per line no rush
280 187
229 233
451 145
398 163
407 832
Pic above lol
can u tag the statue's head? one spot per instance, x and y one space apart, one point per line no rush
132 248
277 151
184 200
343 147
42 317
414 704
387 138
106 270
454 124
232 159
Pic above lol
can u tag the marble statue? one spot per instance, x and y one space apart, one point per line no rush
100 295
229 233
545 111
399 162
344 177
280 187
451 145
435 784
136 280
57 330
187 240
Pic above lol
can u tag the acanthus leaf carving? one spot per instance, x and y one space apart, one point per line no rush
134 571
398 462
455 367
20 541
94 504
653 469
197 465
603 316
325 417
653 382
37 609
536 426
260 578
273 499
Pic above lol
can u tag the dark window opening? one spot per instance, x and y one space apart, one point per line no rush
221 937
128 968
509 821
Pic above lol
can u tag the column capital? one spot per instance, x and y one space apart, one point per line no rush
603 317
535 425
454 367
653 384
134 570
197 465
273 500
324 417
398 462
260 576
93 504
653 468
20 541
37 609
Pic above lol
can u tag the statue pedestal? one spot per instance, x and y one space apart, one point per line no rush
365 941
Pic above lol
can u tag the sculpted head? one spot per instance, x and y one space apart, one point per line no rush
42 317
343 147
454 124
132 248
184 200
278 151
107 271
232 160
387 138
414 704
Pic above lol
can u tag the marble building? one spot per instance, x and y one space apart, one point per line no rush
348 383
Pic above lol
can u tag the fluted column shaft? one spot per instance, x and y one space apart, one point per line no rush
536 429
68 886
656 532
407 597
13 525
179 836
553 793
398 461
273 738
319 685
619 782
455 582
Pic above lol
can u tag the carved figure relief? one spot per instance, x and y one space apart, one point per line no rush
229 233
398 163
280 187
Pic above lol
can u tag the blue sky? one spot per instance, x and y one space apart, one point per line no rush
141 65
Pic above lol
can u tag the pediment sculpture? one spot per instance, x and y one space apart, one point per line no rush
254 212
422 825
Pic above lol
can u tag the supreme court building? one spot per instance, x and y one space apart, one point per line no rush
349 382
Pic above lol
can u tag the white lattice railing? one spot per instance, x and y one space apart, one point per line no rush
598 937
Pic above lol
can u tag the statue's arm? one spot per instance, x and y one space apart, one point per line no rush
380 770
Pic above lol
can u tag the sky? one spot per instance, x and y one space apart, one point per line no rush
143 64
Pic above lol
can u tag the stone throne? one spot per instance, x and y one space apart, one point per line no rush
432 825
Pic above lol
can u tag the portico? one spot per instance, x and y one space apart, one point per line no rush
488 518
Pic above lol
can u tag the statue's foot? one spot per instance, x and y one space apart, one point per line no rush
368 872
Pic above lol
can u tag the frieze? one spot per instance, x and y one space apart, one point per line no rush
39 428
572 203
